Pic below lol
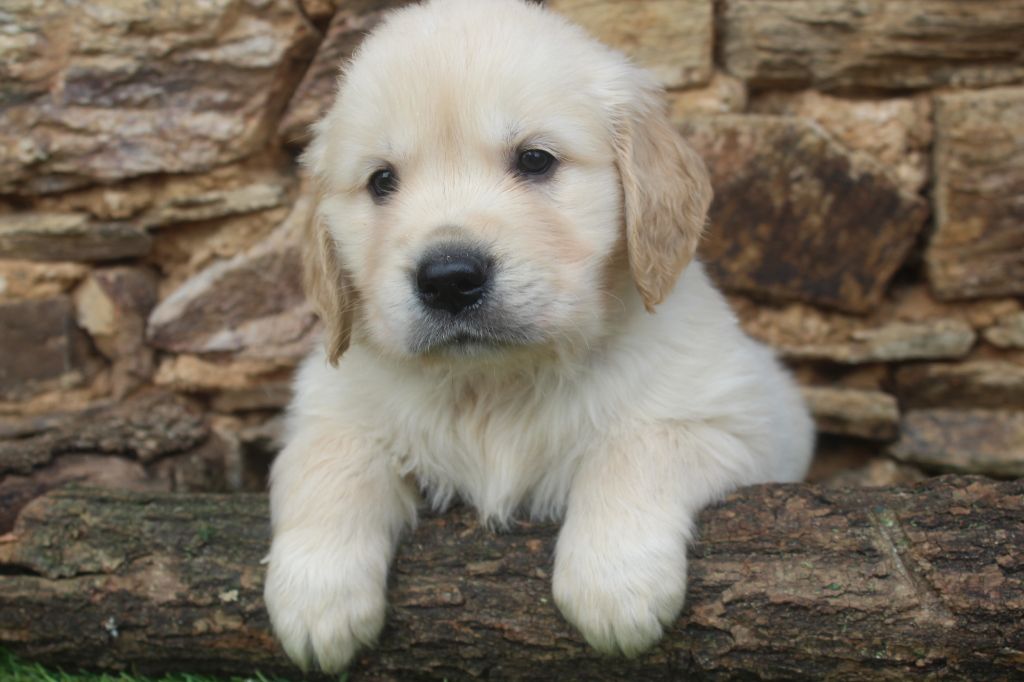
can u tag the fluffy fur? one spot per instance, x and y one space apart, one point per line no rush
564 396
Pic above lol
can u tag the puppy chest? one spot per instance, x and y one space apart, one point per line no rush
496 457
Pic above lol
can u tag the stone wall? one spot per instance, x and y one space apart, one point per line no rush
868 162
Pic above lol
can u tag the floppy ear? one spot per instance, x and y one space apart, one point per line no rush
666 192
327 285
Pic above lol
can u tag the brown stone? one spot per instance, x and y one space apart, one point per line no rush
23 426
1007 332
872 44
260 445
98 92
896 132
22 280
252 305
254 440
42 348
834 455
989 442
69 237
268 395
670 38
873 415
797 217
112 305
145 428
976 383
879 472
978 245
349 25
153 443
187 249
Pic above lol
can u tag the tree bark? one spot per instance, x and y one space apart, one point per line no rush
792 581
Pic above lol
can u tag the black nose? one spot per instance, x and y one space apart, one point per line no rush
452 280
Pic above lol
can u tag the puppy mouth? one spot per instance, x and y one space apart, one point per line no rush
465 338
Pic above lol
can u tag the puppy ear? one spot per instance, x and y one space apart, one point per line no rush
666 192
328 286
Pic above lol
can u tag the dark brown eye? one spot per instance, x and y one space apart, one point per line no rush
535 162
382 183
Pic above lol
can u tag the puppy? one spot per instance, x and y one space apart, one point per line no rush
502 256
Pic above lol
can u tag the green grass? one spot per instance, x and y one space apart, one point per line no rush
14 670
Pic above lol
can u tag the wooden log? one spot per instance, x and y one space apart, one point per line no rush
793 581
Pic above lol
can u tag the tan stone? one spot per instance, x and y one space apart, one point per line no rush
978 245
723 95
349 25
975 383
92 389
101 91
800 332
989 442
873 415
193 374
985 313
252 305
1008 332
671 38
895 132
69 236
215 204
112 305
910 340
797 217
319 10
872 44
256 184
25 280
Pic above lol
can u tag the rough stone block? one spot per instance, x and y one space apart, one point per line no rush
978 246
796 216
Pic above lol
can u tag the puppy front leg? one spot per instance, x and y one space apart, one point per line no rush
620 561
338 509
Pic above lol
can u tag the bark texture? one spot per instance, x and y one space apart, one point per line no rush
786 582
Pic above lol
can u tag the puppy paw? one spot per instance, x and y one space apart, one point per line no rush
620 604
324 604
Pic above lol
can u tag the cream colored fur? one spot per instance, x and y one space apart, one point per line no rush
621 422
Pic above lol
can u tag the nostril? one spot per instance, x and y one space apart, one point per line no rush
470 282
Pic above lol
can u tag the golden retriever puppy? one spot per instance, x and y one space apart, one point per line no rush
502 256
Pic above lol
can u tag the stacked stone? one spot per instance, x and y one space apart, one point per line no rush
868 162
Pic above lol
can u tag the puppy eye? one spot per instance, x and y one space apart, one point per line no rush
383 183
535 162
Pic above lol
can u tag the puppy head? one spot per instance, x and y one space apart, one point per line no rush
481 173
